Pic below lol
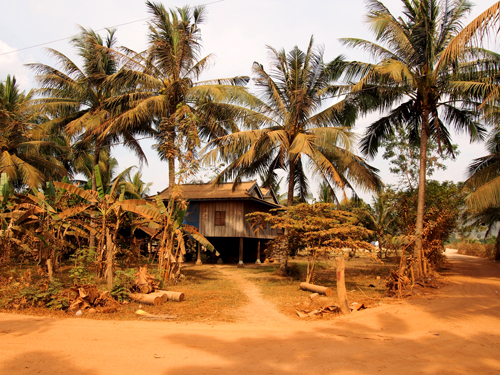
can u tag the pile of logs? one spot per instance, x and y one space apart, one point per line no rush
83 297
147 291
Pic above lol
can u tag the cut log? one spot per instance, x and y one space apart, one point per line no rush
173 296
150 299
162 295
316 289
145 288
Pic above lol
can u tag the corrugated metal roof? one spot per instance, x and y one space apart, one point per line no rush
245 190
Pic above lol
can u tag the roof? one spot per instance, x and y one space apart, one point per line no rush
200 192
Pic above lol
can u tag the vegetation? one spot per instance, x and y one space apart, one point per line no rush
422 64
430 74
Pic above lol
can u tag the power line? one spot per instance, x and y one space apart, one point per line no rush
103 29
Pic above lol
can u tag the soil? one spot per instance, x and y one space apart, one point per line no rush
455 330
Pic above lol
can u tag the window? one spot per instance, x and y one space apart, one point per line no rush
220 218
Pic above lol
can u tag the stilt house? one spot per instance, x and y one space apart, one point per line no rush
219 214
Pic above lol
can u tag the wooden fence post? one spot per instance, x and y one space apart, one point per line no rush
341 291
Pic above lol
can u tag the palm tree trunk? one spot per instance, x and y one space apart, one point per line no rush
497 247
291 183
95 162
171 153
417 252
291 188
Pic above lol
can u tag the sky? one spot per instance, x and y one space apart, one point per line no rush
236 32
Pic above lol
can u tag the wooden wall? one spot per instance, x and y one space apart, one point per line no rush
236 225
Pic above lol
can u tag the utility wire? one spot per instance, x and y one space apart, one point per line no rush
105 28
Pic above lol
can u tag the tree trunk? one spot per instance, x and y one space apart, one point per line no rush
171 153
497 247
150 299
341 290
289 203
173 296
418 252
316 289
95 162
109 259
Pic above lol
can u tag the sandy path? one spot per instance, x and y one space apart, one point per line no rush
457 331
251 312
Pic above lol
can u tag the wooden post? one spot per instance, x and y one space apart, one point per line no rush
240 263
198 261
258 252
341 291
50 269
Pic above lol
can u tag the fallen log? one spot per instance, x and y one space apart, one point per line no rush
150 299
173 296
316 289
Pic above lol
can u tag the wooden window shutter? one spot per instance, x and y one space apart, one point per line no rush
220 218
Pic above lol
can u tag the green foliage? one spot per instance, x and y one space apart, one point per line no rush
403 154
83 259
123 284
32 289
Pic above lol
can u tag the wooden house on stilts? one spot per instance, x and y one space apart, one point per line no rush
219 214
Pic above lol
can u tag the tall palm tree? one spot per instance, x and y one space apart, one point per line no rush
167 93
297 133
484 176
420 55
28 155
75 98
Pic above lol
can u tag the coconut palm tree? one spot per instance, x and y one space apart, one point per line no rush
419 57
298 132
28 154
167 94
484 176
75 99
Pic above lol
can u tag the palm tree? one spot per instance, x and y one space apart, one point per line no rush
420 55
298 133
28 154
484 176
75 98
167 93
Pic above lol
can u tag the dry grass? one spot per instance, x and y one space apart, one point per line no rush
477 249
209 297
285 293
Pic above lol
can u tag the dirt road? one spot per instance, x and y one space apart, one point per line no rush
457 331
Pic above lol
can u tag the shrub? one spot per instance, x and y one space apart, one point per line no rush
32 290
475 249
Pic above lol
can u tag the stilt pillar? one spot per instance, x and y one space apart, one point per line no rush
258 252
240 263
198 260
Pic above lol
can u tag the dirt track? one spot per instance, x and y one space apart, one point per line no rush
457 331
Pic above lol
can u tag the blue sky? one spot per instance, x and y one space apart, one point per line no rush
236 31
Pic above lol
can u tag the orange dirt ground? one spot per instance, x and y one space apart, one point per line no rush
454 331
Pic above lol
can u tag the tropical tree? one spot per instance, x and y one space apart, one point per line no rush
75 98
297 132
484 176
419 60
28 155
167 94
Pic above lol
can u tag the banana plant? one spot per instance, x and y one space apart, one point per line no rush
105 207
171 232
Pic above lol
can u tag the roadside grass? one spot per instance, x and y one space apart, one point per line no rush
286 295
209 297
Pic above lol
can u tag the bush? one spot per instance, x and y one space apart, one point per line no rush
475 249
32 290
